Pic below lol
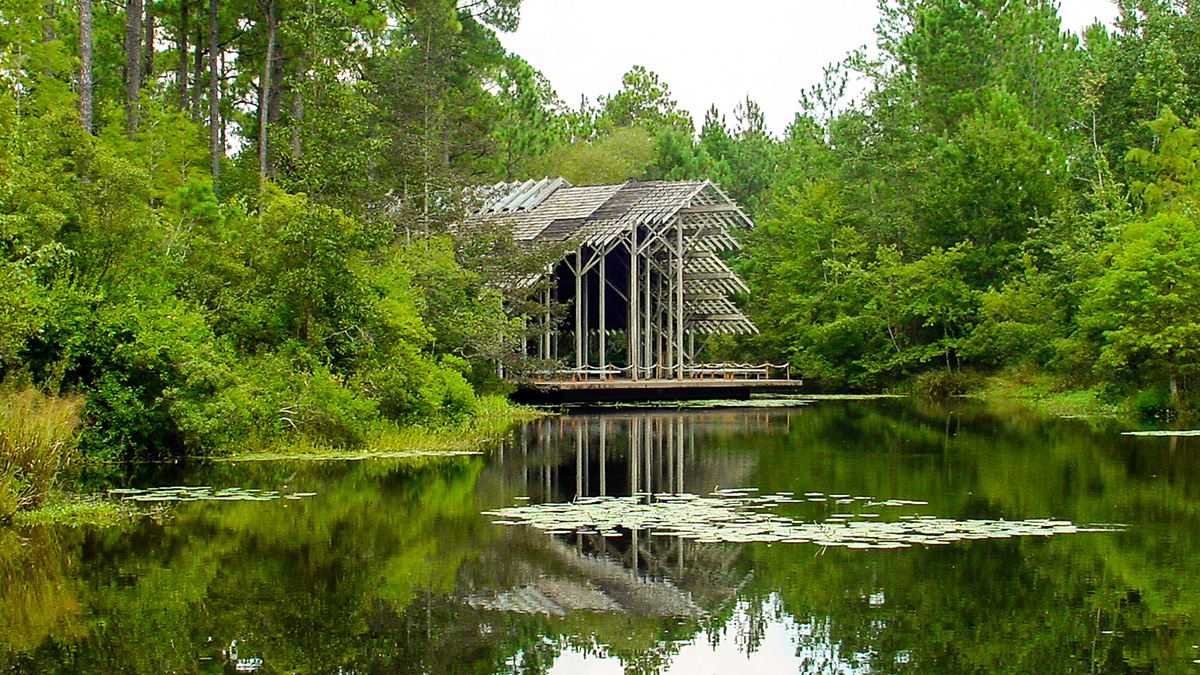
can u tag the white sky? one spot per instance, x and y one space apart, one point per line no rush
709 51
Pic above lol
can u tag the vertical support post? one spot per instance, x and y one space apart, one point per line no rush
544 334
648 336
679 318
579 332
668 315
633 326
602 345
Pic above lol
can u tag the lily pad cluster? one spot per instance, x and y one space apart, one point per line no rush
203 493
735 516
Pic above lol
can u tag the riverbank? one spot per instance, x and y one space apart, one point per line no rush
492 419
1048 396
494 416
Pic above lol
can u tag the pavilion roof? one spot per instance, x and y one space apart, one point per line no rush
554 210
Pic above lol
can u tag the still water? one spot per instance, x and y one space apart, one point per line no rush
1071 549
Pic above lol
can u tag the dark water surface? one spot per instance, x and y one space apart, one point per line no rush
385 567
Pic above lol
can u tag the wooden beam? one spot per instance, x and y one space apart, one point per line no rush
707 276
716 317
702 232
710 208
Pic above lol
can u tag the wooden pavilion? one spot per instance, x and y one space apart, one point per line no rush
643 277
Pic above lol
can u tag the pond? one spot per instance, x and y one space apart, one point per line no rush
886 536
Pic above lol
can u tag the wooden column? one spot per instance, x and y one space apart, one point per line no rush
633 325
648 336
579 332
602 345
679 318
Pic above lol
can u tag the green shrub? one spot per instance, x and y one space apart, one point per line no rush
943 383
37 441
1151 403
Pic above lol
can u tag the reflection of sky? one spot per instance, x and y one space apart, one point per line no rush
785 647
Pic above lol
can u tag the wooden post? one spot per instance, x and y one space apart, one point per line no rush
579 332
679 318
648 336
632 326
602 345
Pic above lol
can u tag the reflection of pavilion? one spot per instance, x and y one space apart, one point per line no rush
618 454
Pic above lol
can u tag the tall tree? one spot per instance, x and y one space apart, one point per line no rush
265 88
644 100
181 43
86 76
216 147
133 64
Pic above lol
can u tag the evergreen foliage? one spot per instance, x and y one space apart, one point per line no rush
224 248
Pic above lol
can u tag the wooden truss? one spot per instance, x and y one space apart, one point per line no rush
645 276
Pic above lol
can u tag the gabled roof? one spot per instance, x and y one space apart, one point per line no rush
554 210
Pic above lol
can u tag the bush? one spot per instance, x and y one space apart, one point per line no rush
1151 403
943 383
37 441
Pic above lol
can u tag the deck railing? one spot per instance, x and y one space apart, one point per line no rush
695 371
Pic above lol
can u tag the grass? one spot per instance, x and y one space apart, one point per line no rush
62 508
493 417
37 441
1046 394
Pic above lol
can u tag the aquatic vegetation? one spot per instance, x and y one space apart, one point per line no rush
37 441
181 493
737 516
1190 432
76 510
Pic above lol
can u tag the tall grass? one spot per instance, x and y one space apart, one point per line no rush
37 441
492 418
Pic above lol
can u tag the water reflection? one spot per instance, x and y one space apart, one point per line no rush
391 567
623 454
620 454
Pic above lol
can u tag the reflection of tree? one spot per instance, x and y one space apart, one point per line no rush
1013 606
391 569
37 597
295 581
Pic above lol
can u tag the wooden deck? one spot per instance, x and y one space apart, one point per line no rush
597 391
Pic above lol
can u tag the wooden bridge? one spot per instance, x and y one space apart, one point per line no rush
644 283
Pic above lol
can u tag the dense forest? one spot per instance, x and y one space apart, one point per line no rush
225 223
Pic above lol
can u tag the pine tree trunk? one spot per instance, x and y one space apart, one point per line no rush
181 71
148 49
133 64
264 95
297 118
198 68
49 30
214 107
86 84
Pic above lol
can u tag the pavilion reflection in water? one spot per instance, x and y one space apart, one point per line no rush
637 453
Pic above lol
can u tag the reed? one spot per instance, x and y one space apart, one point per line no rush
37 442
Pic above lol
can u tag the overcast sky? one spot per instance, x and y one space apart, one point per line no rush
709 51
